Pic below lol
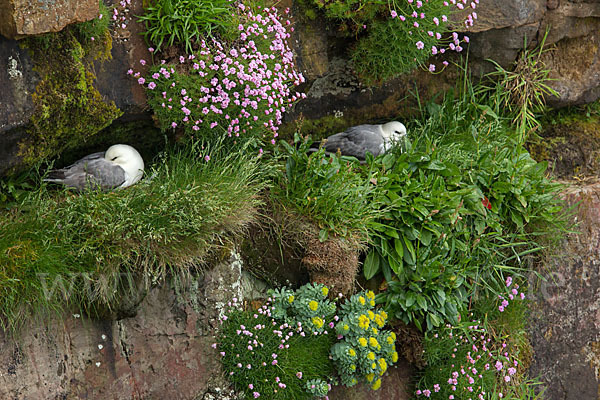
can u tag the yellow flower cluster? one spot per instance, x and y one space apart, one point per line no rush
374 343
290 299
325 291
371 296
363 321
371 356
352 353
377 384
362 341
313 305
382 365
361 300
318 322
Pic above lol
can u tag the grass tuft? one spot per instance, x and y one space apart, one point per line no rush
61 248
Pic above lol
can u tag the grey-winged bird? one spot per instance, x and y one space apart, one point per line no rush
357 140
118 167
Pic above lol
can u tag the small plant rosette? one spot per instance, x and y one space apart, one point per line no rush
364 351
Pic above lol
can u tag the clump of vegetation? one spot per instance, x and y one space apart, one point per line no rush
398 36
365 351
484 356
522 92
237 87
85 243
264 352
68 108
464 203
326 189
185 21
307 307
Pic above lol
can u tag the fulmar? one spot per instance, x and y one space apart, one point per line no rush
118 167
357 140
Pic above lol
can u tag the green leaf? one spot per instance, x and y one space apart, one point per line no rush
323 234
422 302
371 265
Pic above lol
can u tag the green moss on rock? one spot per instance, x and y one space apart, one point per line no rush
68 109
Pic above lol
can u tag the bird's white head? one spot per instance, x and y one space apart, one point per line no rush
129 159
393 131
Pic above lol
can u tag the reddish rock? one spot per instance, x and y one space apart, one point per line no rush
20 18
565 322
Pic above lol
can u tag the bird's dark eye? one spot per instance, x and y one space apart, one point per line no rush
114 158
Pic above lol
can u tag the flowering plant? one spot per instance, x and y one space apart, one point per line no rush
270 359
234 87
307 307
365 351
414 31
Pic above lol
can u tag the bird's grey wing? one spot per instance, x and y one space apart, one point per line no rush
104 173
356 141
90 171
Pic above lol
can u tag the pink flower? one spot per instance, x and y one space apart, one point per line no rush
394 14
143 62
299 375
420 45
431 68
206 158
151 85
256 395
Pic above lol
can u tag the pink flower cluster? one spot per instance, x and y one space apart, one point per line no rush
512 295
415 19
120 14
243 87
482 357
255 338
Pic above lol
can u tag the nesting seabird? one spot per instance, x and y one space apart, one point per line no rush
118 167
357 140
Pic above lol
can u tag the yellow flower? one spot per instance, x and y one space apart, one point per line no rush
361 300
354 381
395 356
376 385
375 331
371 314
318 322
379 321
346 327
373 342
325 291
363 321
370 295
382 365
291 299
313 305
373 366
372 303
393 335
362 341
352 352
370 377
383 314
371 356
390 339
353 367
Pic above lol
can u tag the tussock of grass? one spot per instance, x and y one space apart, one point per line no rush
170 220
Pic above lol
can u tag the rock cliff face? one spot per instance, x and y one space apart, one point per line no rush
565 316
162 352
